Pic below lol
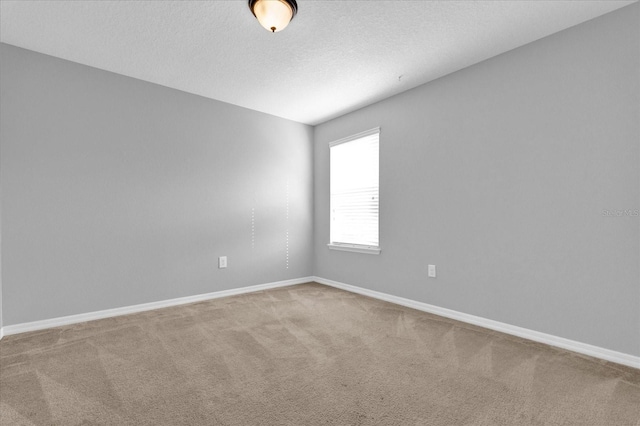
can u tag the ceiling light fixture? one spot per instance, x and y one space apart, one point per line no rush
274 15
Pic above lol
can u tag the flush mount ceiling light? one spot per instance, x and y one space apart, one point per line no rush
273 15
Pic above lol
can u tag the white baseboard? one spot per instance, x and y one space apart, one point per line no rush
560 342
107 313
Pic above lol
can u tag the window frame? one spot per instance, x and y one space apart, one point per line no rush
356 248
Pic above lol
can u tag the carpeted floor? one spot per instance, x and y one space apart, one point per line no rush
302 355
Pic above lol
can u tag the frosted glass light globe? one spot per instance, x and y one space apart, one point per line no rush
273 15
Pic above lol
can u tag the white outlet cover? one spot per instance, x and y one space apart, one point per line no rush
432 271
222 262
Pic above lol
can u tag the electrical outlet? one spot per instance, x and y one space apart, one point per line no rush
222 262
432 271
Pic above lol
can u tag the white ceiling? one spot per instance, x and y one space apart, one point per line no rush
334 57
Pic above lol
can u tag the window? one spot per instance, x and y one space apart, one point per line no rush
354 172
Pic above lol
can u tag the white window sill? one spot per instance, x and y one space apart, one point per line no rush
355 248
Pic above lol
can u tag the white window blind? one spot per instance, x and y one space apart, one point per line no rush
354 182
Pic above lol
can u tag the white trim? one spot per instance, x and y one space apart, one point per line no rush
108 313
354 248
356 136
560 342
549 339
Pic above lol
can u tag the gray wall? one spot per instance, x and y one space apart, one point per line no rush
499 175
117 192
1 321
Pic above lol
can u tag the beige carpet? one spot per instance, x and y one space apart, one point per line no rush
302 355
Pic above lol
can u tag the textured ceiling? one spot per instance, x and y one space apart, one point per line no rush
334 57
